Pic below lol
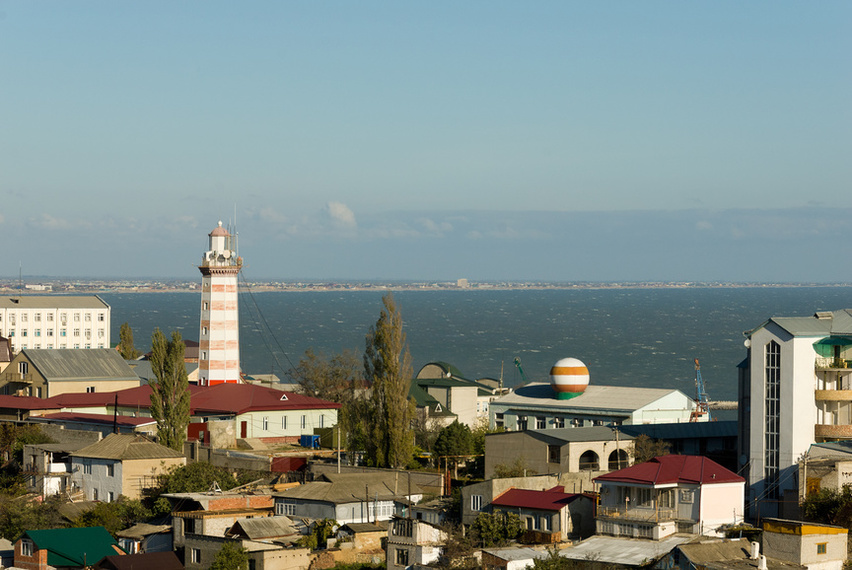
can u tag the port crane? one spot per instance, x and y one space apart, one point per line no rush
521 370
702 403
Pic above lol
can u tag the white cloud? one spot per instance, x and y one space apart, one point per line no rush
703 225
340 214
47 222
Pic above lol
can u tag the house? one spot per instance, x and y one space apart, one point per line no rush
795 389
50 372
141 561
564 450
365 537
198 516
430 411
279 528
413 543
732 554
622 552
49 466
716 440
19 407
121 465
349 497
667 495
146 538
55 321
536 405
469 400
477 497
814 546
105 424
63 547
551 515
200 552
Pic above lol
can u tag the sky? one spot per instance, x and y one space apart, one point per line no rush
492 140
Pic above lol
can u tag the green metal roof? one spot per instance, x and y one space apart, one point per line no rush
423 400
74 546
823 323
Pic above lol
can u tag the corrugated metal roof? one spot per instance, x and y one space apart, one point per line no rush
263 527
126 447
840 322
66 364
141 530
53 302
351 487
554 499
613 398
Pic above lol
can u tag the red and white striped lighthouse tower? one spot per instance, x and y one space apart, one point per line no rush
219 336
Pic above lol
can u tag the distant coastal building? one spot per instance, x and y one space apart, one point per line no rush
444 394
219 333
795 390
42 321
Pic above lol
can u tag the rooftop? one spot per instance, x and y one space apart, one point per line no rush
554 499
673 469
53 302
126 447
595 398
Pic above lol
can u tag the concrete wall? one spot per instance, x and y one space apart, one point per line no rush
141 474
721 503
495 487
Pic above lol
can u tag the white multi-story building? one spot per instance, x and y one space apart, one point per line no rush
795 390
219 333
55 321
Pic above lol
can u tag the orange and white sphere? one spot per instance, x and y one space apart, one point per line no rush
569 378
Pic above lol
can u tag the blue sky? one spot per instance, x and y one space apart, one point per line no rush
428 140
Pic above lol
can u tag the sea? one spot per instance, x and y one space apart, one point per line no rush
642 337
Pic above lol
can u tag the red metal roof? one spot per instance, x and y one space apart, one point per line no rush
242 398
98 419
219 399
669 469
554 499
26 403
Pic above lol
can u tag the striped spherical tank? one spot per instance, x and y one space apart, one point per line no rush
569 378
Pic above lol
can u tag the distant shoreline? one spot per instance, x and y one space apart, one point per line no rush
47 287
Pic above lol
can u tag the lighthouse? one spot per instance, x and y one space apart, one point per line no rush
219 334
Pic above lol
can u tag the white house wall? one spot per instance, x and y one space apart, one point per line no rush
321 418
721 504
671 408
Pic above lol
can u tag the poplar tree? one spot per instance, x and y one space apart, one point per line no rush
170 391
125 346
387 366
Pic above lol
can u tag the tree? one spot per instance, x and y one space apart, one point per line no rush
453 441
232 556
115 516
645 448
330 378
170 391
518 468
497 528
829 506
18 515
387 366
125 346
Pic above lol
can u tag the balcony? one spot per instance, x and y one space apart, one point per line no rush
826 431
833 363
16 378
639 514
833 395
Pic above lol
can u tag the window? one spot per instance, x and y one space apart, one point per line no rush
403 527
287 507
476 502
90 389
559 423
49 332
772 383
88 318
50 317
23 367
27 547
62 332
402 556
283 422
522 423
88 334
498 420
94 494
23 317
189 526
64 318
540 422
589 461
195 555
76 332
304 421
205 306
24 332
204 330
322 421
37 332
110 497
76 317
11 332
821 547
101 333
111 470
553 454
37 317
87 468
686 496
101 317
265 423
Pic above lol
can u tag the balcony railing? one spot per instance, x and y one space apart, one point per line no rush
842 431
641 514
831 363
16 377
833 395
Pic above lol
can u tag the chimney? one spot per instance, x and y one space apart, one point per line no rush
755 550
